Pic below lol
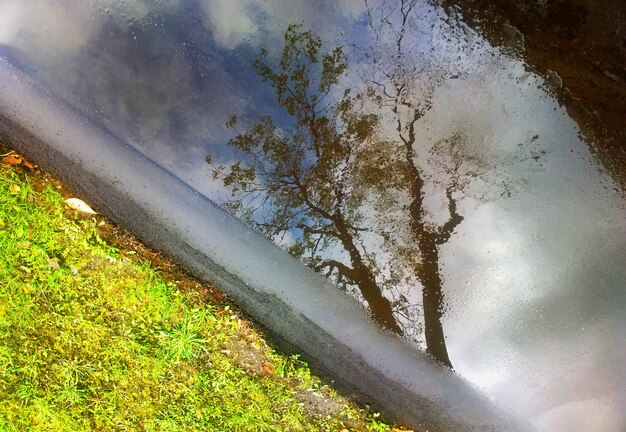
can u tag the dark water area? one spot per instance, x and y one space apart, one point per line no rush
456 167
580 47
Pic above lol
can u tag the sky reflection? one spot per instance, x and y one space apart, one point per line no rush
534 282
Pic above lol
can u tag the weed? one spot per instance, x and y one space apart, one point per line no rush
93 340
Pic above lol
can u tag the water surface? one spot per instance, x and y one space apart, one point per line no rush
436 177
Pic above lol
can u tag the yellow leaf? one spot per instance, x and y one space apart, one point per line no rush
80 205
12 159
53 263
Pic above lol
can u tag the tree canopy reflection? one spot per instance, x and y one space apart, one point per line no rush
311 181
344 192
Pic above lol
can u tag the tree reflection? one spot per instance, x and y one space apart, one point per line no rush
403 82
407 65
306 180
341 181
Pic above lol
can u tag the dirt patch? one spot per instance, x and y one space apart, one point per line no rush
247 357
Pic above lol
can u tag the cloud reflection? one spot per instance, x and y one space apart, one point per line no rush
535 283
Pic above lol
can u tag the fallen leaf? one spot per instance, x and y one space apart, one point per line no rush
80 205
12 159
29 165
53 263
267 368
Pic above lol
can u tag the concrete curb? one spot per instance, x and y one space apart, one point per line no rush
295 304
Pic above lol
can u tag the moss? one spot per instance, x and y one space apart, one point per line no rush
94 337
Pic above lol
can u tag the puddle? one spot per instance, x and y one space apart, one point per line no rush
440 177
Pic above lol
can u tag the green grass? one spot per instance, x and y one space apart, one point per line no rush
91 339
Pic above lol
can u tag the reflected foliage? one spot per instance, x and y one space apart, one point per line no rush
306 183
339 178
405 70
